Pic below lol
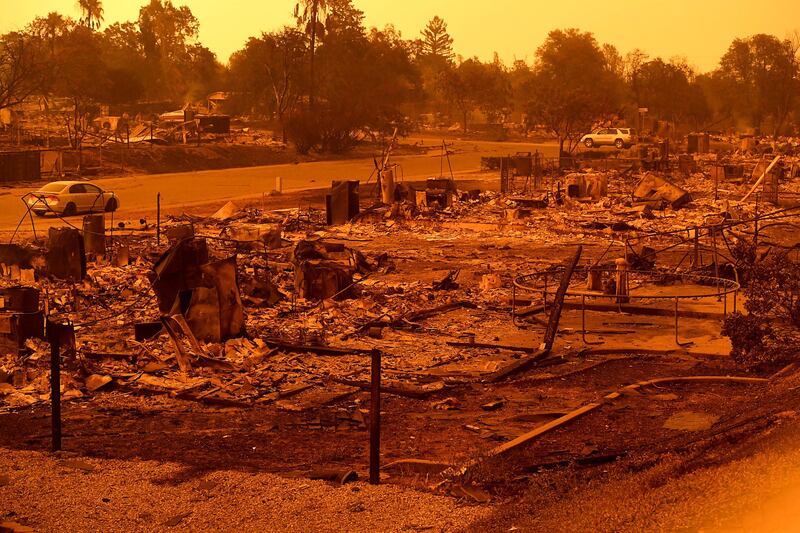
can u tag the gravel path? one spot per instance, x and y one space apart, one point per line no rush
67 493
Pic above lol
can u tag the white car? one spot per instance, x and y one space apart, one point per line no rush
617 137
68 198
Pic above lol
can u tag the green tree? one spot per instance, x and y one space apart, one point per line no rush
268 74
435 41
520 77
363 82
759 77
23 69
663 88
81 76
50 28
473 84
123 55
614 61
177 66
572 85
393 85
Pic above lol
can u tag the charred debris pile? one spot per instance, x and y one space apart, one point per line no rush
251 308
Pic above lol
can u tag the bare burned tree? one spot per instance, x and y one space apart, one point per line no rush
21 68
283 73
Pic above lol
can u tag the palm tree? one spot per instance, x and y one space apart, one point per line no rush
54 26
92 13
311 13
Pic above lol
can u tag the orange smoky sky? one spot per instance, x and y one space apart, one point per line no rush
700 31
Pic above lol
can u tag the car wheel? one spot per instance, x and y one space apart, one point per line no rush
70 210
620 144
588 143
111 205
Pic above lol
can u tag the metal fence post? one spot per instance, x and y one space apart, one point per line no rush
158 219
53 336
375 419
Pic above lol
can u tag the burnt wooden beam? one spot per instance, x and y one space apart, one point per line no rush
558 303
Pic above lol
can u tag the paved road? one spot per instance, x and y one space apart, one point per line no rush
185 191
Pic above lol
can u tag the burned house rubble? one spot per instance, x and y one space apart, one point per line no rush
554 316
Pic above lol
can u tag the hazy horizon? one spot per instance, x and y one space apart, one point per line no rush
699 31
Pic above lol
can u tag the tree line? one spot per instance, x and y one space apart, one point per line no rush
327 80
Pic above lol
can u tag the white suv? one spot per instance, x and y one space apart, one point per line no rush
618 137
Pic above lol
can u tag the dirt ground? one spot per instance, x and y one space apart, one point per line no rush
63 493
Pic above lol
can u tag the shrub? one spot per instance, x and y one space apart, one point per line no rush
304 131
769 334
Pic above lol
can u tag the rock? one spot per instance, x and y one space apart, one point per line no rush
177 519
446 405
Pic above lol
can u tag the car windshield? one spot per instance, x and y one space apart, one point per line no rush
53 187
